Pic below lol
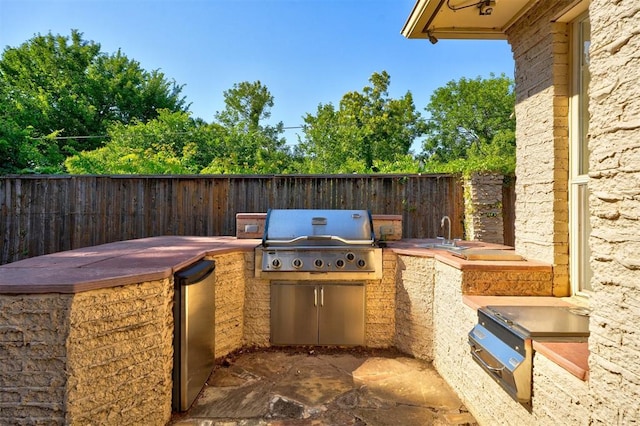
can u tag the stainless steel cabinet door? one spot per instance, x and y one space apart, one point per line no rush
294 314
341 314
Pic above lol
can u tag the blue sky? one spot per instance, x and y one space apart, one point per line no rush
306 52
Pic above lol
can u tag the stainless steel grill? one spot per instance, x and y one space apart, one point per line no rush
319 245
317 262
501 342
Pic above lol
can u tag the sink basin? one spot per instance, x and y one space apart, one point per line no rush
490 255
440 246
470 253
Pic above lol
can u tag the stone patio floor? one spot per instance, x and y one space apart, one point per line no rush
322 386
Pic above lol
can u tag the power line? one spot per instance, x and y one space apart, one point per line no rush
107 136
68 137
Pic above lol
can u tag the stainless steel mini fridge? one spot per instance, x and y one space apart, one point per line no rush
194 335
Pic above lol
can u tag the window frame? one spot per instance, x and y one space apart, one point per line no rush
579 217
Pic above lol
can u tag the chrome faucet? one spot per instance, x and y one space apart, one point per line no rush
446 218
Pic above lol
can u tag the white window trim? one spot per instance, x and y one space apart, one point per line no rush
577 181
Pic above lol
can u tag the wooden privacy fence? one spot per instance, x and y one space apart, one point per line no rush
46 214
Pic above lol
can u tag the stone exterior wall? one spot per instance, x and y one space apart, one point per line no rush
229 302
414 306
33 358
615 210
483 208
540 50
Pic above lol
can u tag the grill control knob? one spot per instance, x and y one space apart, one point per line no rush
318 263
297 263
276 263
340 263
361 263
350 256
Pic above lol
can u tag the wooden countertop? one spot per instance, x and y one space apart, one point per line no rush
113 264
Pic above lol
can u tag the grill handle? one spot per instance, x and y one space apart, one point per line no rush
475 353
315 297
318 238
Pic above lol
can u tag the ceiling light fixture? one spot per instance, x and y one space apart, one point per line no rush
432 38
486 7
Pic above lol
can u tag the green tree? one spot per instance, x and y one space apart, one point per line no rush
172 143
472 126
175 143
66 87
246 144
369 130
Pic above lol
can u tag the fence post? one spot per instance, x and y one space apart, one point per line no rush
483 207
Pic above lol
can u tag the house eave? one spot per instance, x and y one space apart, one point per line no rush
461 19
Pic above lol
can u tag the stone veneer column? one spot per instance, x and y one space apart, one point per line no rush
614 187
257 307
229 302
483 207
540 49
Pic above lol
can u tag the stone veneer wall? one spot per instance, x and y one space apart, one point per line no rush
230 302
120 355
380 305
33 358
101 356
540 50
414 306
522 282
257 310
483 208
615 210
415 298
559 397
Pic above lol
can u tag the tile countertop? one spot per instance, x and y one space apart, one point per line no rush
572 356
131 261
153 258
415 247
112 264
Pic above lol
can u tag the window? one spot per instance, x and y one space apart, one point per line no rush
579 225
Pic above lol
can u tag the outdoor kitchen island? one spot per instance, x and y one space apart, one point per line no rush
87 334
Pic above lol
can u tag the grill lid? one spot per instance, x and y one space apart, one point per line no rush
304 227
